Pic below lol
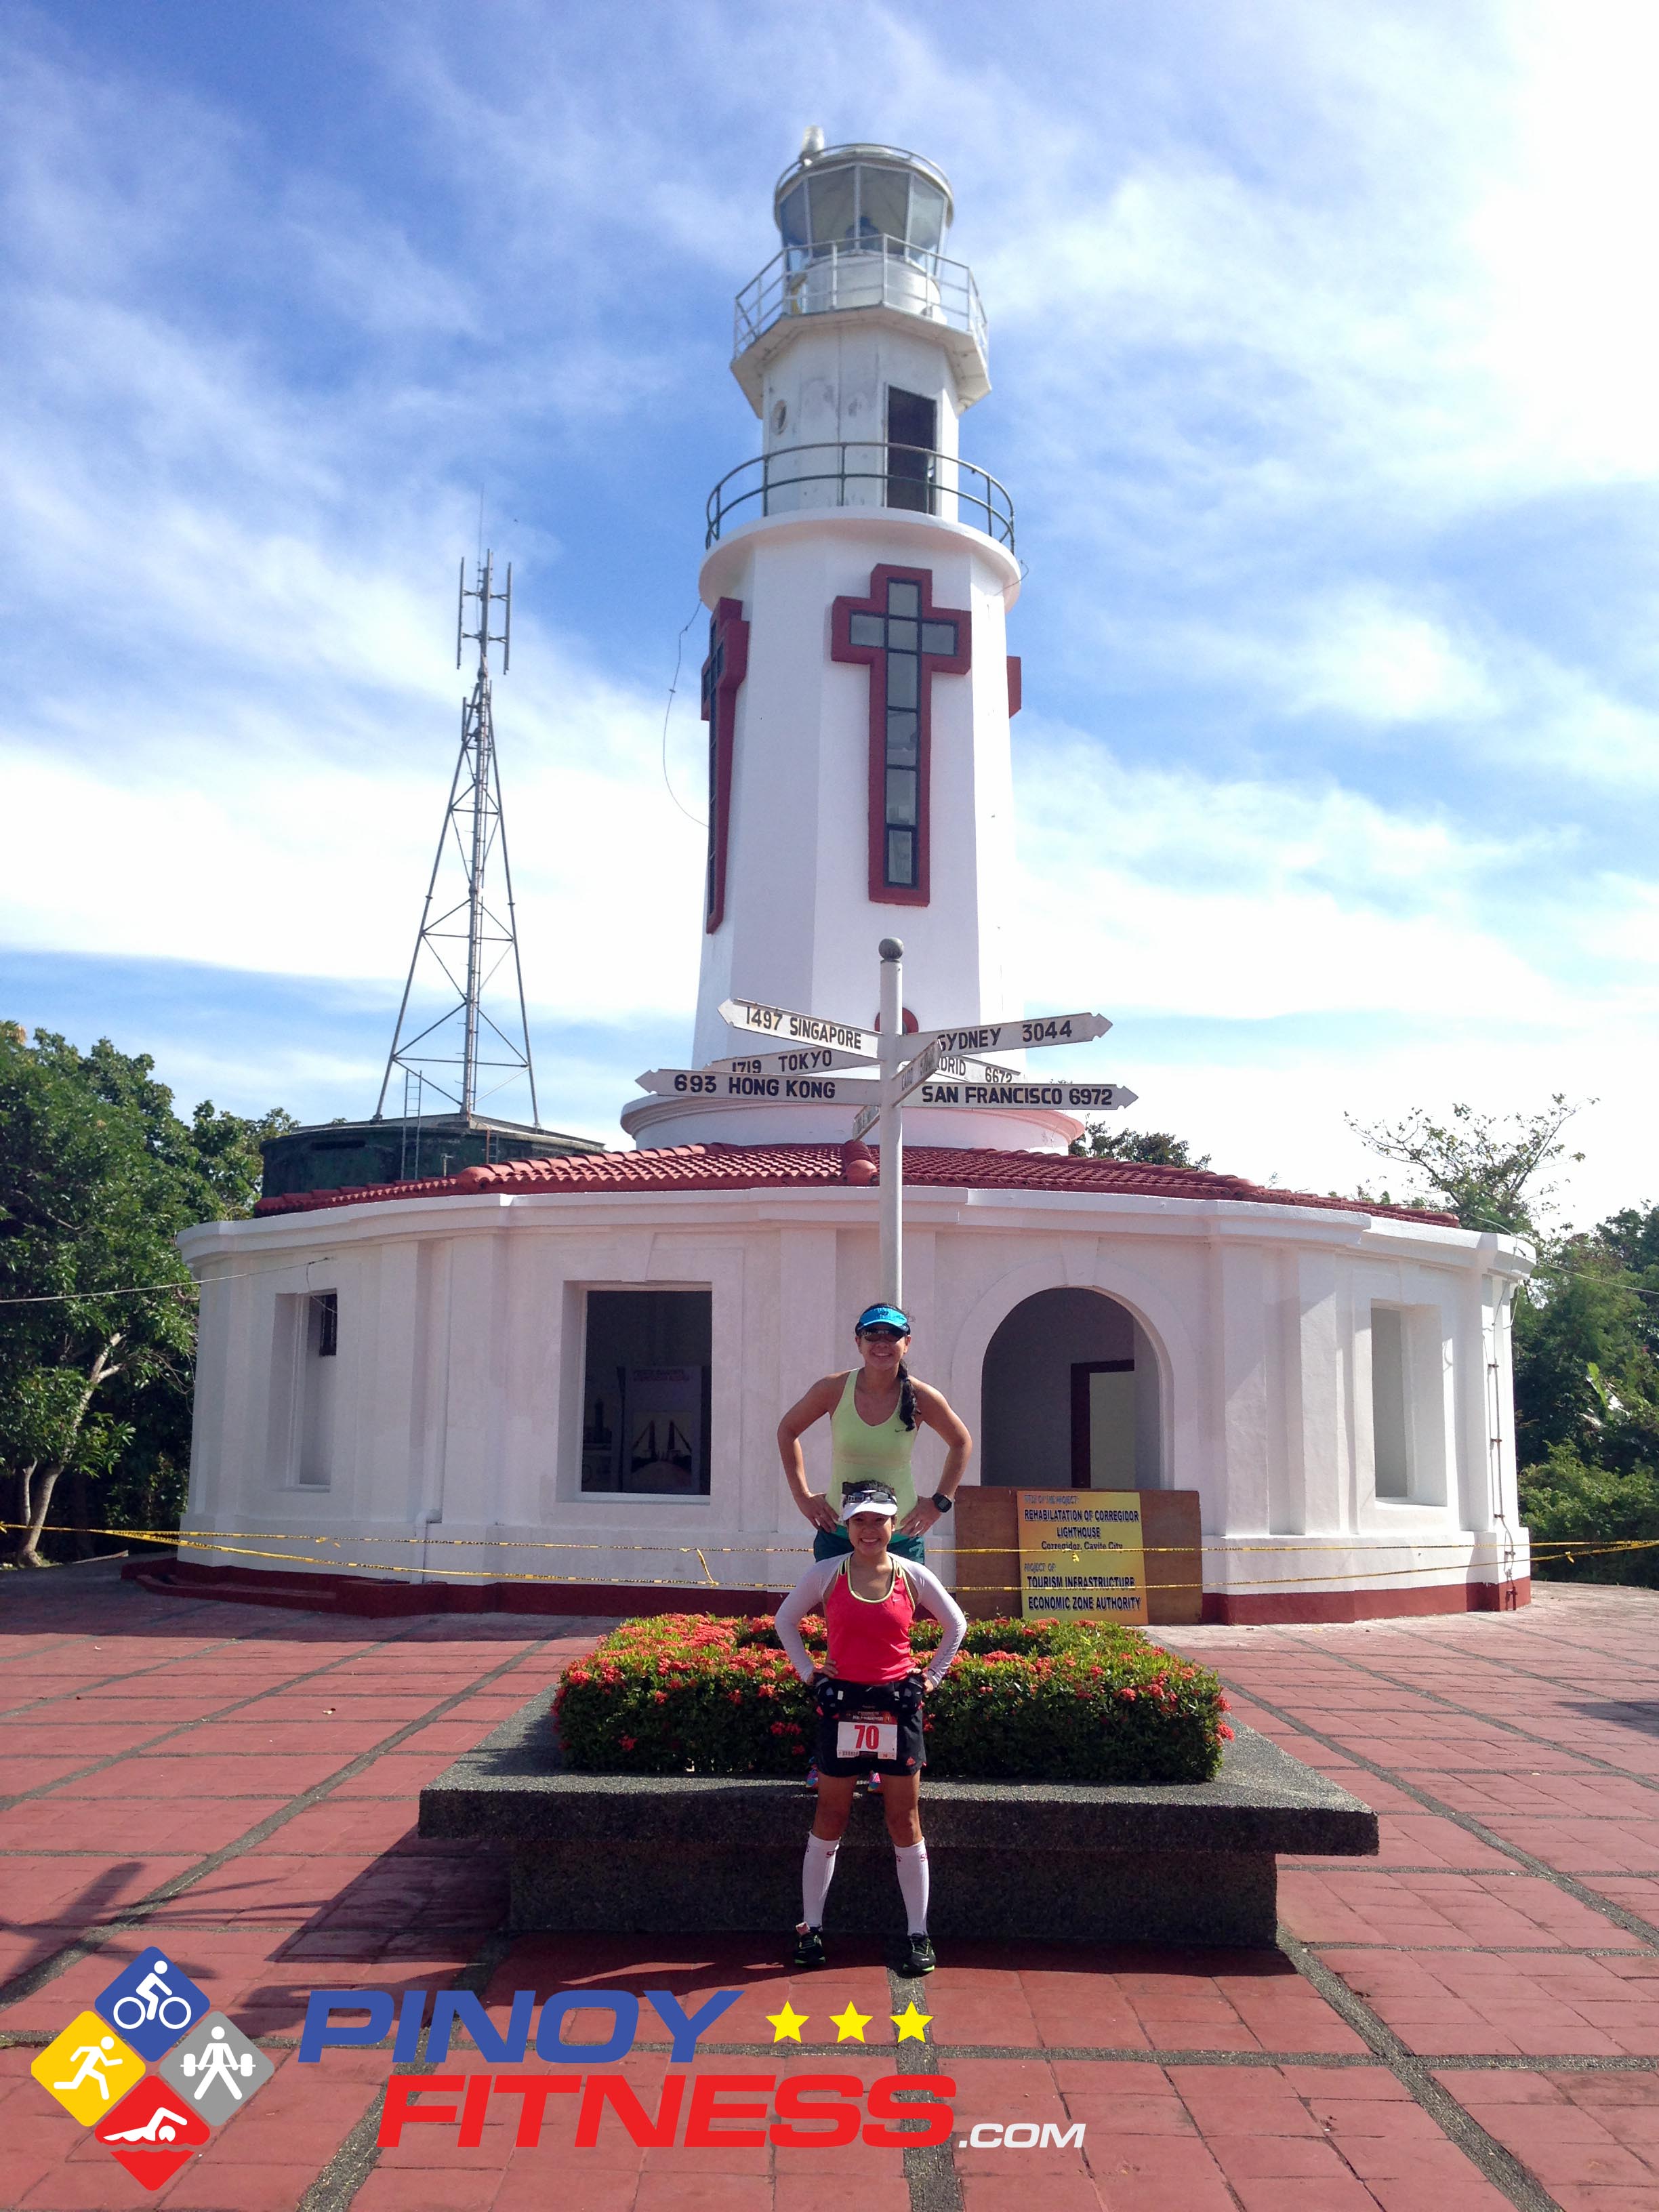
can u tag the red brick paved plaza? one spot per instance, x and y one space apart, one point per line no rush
1469 2021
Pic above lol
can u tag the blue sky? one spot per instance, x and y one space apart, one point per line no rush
1324 352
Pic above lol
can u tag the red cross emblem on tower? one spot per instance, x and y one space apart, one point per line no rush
722 679
905 640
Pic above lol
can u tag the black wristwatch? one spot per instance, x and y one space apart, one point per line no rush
942 1501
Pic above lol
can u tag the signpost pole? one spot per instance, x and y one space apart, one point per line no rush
890 1134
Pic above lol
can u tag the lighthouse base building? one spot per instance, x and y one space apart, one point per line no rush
455 1381
554 1382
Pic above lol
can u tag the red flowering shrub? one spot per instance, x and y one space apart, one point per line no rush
1026 1700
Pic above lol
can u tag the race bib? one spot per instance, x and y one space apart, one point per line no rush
866 1739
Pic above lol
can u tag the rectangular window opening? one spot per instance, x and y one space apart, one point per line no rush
1103 1424
912 435
326 1334
1390 1414
646 1398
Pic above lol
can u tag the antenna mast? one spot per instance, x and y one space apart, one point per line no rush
465 1043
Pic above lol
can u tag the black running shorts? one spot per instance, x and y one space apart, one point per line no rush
863 1708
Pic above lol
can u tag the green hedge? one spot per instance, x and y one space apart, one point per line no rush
1048 1701
1575 1513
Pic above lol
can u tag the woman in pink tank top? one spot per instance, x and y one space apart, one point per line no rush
869 1696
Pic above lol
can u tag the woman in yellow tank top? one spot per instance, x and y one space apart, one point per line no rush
875 1410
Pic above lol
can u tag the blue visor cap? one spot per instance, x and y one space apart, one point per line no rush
877 1316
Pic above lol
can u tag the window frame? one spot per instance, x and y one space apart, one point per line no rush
929 663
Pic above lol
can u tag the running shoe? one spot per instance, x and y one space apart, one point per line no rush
808 1950
916 1958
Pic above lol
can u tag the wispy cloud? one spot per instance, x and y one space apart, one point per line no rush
1324 376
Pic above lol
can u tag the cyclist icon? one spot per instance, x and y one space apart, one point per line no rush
153 1999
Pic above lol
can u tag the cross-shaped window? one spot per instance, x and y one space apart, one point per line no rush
905 642
722 679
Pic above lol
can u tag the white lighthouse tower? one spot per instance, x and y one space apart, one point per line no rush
858 689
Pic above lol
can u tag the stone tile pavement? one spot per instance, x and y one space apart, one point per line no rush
1470 2021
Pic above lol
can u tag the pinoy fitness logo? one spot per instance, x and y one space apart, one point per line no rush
206 2069
700 2110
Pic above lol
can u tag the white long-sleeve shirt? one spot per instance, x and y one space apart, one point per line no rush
809 1593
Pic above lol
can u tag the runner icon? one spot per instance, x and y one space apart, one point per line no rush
217 2063
94 2057
154 1998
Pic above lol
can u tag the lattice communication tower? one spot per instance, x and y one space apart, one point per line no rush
466 1054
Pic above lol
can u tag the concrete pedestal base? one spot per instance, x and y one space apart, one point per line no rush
1082 1863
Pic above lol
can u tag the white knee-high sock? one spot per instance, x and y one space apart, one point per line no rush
913 1884
818 1872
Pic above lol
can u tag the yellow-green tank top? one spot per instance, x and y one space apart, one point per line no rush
859 1453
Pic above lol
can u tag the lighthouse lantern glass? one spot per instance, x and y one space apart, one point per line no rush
856 204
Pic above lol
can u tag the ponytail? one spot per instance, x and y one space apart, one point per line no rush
907 1404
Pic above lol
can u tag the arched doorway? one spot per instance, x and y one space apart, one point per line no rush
1071 1397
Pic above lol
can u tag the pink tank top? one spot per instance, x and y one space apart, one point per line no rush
869 1638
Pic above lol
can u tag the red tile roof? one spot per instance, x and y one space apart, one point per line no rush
759 1167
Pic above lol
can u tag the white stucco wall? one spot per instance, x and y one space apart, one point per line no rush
458 1383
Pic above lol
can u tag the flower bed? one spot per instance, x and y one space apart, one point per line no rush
1048 1701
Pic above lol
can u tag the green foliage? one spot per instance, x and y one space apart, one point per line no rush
1025 1700
1481 1167
1586 1376
1565 1499
97 1177
1156 1148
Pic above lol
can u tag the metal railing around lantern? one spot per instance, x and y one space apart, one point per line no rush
875 271
861 472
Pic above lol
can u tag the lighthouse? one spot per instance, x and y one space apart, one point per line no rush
859 572
557 1380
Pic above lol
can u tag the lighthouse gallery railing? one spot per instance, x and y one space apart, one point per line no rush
861 472
864 272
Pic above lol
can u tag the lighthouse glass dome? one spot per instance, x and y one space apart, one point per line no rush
866 198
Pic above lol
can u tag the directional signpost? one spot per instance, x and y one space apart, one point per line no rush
944 1067
1016 1035
719 1083
802 1060
791 1028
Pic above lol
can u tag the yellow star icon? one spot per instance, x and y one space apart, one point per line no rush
851 2023
911 2024
787 2024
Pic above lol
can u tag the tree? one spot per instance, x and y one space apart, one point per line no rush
1152 1148
97 1177
1481 1167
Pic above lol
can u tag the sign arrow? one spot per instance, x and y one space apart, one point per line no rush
787 1027
805 1060
1011 1037
718 1083
1067 1097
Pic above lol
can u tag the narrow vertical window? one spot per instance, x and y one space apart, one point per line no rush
326 1304
1390 1424
912 435
723 673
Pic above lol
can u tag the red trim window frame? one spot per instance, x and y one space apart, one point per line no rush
887 633
723 674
